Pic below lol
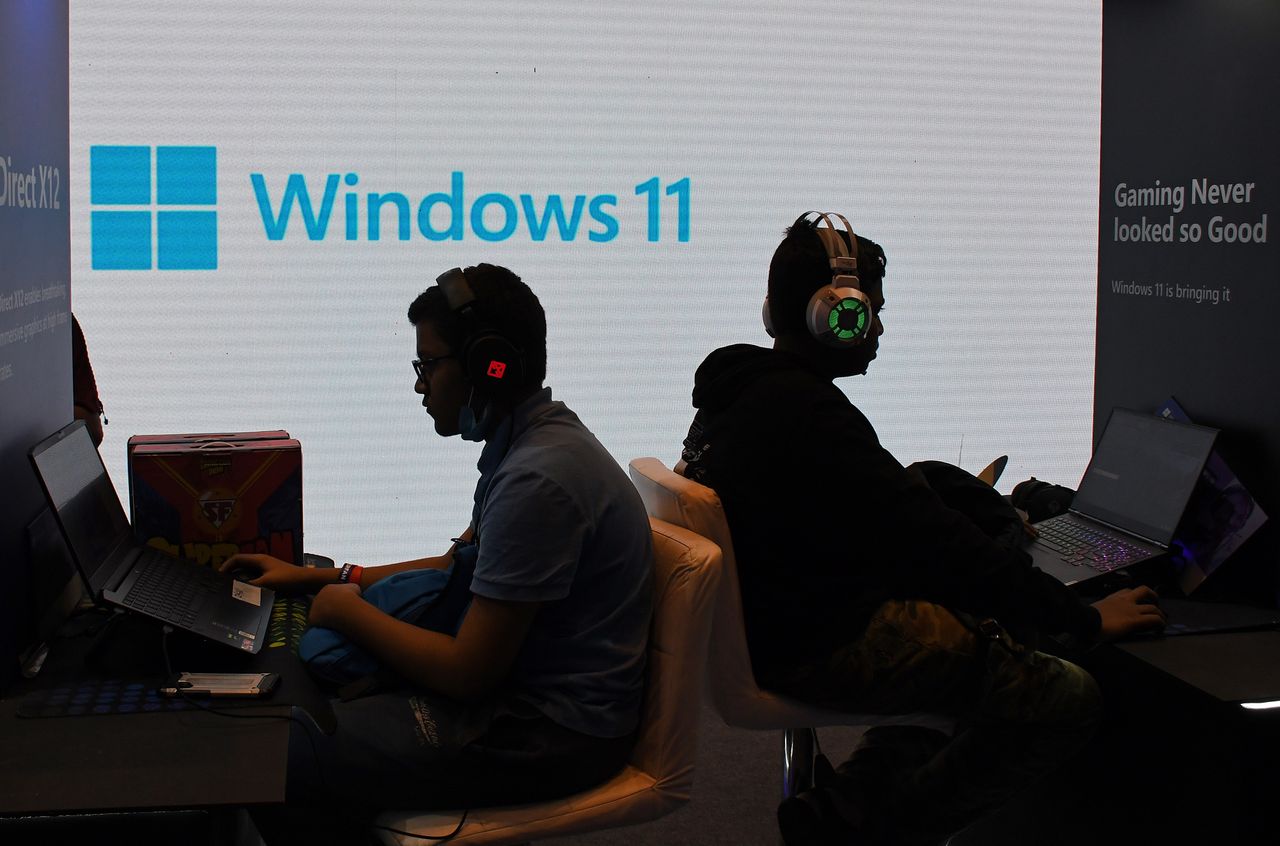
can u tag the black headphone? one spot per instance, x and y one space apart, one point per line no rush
839 314
493 364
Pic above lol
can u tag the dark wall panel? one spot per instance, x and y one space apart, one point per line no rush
1188 268
35 271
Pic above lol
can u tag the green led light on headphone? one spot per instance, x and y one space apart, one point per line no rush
852 326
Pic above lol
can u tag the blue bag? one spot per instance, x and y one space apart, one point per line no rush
435 599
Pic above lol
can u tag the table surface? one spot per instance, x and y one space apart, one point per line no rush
1229 666
120 762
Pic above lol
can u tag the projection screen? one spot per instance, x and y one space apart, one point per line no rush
634 163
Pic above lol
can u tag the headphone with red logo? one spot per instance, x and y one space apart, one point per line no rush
494 365
839 313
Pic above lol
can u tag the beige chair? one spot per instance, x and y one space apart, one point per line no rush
659 778
671 497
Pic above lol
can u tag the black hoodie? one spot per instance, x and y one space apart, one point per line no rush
827 524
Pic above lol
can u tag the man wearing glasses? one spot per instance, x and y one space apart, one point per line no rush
538 694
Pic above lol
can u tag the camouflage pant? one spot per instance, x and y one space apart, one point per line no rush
1019 713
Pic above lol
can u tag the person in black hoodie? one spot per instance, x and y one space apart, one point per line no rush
862 589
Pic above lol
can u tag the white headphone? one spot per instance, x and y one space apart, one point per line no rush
839 314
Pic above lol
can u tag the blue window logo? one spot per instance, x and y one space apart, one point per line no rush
174 217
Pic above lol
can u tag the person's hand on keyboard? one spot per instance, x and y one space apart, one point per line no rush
271 572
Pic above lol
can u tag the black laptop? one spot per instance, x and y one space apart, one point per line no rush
121 572
1133 494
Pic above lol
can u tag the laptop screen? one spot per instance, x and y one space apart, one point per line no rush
83 499
1142 473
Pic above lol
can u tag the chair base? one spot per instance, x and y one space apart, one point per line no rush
630 797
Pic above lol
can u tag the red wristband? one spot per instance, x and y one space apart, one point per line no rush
354 576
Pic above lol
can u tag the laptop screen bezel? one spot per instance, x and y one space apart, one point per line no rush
96 574
1125 522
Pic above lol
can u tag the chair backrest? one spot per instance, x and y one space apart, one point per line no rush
739 701
686 572
671 497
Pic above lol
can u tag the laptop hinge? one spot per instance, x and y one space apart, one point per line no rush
121 571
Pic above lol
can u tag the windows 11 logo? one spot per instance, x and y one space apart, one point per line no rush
176 207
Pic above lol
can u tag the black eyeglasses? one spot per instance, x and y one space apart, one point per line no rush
423 367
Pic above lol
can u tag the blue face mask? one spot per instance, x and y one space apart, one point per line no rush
471 427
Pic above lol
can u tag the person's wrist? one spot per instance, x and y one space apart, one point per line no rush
318 577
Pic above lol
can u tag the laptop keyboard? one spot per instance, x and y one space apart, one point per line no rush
168 589
1082 545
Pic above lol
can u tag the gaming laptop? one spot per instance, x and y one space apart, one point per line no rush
1130 500
121 572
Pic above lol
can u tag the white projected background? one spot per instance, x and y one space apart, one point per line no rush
963 137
